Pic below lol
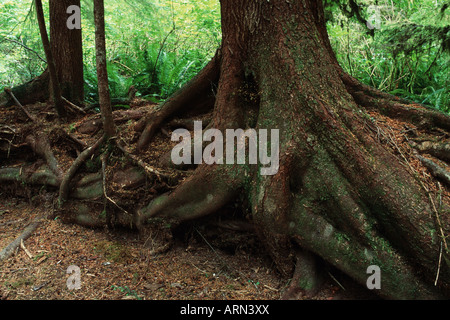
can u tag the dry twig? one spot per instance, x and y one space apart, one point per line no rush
22 245
8 91
9 250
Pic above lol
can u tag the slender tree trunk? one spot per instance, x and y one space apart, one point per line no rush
102 73
66 47
56 90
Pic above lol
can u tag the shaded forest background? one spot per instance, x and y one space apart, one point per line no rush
158 46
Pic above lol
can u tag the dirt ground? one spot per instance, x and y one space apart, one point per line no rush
119 265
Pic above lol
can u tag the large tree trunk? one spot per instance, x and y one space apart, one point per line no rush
339 194
66 45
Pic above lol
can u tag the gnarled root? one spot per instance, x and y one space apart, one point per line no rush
64 187
393 106
436 170
41 146
29 175
196 94
440 150
307 278
204 193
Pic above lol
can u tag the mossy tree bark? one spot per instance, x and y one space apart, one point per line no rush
339 194
35 90
66 45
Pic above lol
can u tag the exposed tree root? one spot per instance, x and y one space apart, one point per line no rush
40 144
306 280
393 106
440 150
194 95
32 175
64 188
436 170
202 194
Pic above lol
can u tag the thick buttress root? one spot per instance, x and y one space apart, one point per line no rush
307 277
208 190
197 94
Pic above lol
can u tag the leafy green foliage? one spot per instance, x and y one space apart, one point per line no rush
408 56
158 45
18 34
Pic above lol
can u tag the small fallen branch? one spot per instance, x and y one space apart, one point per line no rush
439 266
78 141
22 245
8 223
149 170
9 250
39 287
73 106
8 91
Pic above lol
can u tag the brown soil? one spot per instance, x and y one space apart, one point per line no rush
119 264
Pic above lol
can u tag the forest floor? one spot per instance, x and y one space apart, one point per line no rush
201 264
118 265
